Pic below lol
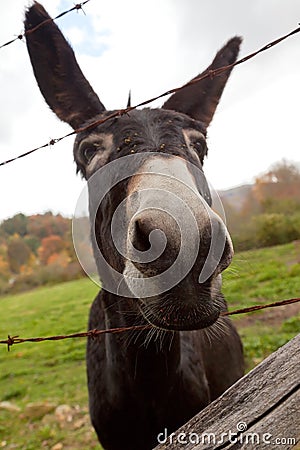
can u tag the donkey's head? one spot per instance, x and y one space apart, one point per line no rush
174 246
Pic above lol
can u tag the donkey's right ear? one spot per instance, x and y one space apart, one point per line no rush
63 85
200 100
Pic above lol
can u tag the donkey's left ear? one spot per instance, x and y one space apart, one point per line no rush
200 100
63 85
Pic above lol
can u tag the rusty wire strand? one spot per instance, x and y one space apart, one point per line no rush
11 340
258 307
76 7
209 74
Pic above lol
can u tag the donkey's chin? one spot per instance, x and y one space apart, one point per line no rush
183 319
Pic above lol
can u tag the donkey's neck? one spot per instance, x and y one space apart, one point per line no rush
153 353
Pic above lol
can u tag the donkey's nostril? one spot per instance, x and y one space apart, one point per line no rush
141 234
146 235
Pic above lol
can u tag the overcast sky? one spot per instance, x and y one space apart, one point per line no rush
149 47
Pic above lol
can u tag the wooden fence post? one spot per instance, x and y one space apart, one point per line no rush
260 411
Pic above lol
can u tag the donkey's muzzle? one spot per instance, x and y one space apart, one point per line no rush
156 242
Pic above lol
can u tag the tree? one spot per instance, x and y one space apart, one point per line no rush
274 229
33 243
15 225
49 246
282 172
59 259
18 253
4 268
281 181
43 225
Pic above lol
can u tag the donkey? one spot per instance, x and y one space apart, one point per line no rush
156 379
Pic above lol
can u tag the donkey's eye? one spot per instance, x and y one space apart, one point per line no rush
198 146
89 153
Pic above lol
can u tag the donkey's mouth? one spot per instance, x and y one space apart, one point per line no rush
180 318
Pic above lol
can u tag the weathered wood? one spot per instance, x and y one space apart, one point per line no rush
266 401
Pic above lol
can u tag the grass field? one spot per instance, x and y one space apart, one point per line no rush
38 379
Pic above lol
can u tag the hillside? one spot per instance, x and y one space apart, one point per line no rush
45 383
236 196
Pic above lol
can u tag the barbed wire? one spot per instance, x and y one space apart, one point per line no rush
209 74
21 36
12 340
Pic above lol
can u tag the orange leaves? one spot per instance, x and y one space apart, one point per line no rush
50 246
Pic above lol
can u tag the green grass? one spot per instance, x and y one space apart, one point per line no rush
61 309
264 276
48 371
55 371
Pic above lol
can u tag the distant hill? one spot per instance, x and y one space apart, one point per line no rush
236 196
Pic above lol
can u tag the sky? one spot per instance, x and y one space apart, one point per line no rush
150 47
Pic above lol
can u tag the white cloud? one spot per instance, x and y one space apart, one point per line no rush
76 35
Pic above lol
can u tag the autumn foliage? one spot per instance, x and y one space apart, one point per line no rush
36 250
270 212
50 247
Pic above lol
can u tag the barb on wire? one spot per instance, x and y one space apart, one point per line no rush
76 7
210 74
11 340
48 144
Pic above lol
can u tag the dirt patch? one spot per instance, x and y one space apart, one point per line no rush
272 316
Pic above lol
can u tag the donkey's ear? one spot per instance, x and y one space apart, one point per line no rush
200 100
56 70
